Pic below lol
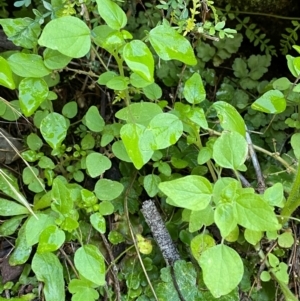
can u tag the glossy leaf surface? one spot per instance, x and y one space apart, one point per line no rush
94 120
229 117
97 164
112 14
48 269
6 76
139 59
107 190
140 113
217 263
32 93
51 239
190 192
74 42
131 136
170 45
253 213
230 150
272 102
28 65
10 208
54 129
90 264
194 91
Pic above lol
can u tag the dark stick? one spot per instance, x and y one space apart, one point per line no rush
160 233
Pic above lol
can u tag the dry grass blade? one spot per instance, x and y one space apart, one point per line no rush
18 153
18 196
19 114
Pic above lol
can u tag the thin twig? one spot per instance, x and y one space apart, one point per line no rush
69 261
260 179
134 239
114 270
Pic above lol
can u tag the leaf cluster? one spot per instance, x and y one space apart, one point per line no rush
87 169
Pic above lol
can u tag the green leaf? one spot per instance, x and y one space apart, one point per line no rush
286 240
93 120
28 65
112 14
22 31
229 117
170 45
34 227
107 38
274 195
97 164
54 129
200 243
139 59
30 178
61 196
90 264
118 83
105 77
106 208
153 91
87 142
190 192
138 82
34 141
230 150
131 136
186 279
32 92
108 190
217 264
98 222
82 290
69 35
253 237
140 113
281 84
48 269
6 76
10 226
295 142
46 163
22 250
272 102
163 131
151 184
197 115
225 219
51 239
10 208
194 91
293 65
120 152
253 213
12 112
200 218
265 276
53 59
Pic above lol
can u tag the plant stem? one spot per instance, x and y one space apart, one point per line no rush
121 71
293 201
208 163
275 155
